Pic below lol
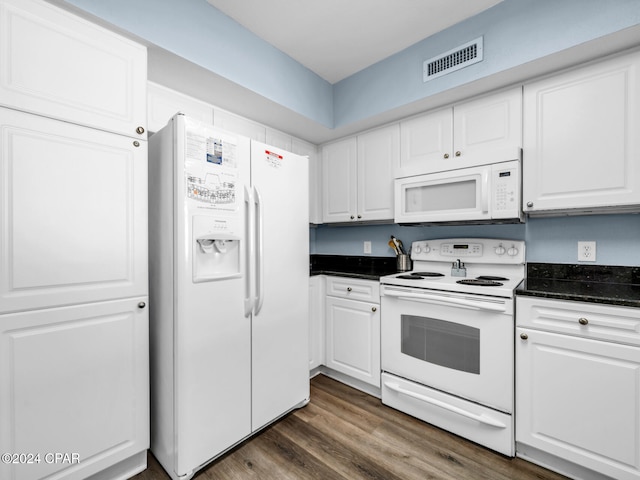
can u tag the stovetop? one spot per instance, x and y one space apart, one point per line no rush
477 266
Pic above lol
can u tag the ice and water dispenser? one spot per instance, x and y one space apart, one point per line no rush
215 248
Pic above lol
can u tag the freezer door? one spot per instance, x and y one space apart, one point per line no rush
280 375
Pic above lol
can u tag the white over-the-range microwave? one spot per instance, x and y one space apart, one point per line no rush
480 194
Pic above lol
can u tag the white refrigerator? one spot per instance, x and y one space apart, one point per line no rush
229 264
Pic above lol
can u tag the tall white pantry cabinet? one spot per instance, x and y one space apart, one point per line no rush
73 248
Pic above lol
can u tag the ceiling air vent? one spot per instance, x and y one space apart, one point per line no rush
453 60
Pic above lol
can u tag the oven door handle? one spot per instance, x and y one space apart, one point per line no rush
423 297
482 418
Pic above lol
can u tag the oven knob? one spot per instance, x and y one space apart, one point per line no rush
418 249
500 250
512 252
427 249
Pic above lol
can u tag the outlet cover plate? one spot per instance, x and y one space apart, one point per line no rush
586 251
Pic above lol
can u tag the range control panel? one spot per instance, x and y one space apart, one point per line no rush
472 250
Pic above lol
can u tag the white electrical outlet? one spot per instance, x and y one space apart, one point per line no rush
586 251
367 247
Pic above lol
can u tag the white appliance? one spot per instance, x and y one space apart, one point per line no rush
484 193
229 266
447 330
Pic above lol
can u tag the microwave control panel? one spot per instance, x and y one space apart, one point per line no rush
505 190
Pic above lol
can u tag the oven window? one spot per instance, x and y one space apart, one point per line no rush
442 343
444 196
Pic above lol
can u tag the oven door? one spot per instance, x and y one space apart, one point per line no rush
456 343
444 197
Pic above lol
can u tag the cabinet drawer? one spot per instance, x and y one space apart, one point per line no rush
354 289
589 320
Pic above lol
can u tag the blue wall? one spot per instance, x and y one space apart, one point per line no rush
548 240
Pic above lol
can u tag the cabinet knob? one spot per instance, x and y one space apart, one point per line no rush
352 217
446 155
458 153
359 216
142 305
583 321
374 309
140 130
136 143
529 204
349 289
524 336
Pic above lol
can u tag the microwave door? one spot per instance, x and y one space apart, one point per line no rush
444 197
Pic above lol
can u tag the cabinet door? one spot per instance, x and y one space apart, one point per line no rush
378 158
488 129
339 183
578 399
581 142
163 103
316 321
426 143
62 66
300 147
353 339
73 214
74 380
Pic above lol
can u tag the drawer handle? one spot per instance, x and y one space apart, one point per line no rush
349 289
374 309
583 321
524 336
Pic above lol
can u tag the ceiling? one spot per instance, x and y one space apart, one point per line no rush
337 38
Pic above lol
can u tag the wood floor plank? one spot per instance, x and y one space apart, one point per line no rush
345 434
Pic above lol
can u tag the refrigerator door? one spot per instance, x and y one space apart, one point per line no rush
280 374
212 334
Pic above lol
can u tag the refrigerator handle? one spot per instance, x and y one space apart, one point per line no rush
248 260
259 222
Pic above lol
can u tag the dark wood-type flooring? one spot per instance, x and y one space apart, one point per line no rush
346 434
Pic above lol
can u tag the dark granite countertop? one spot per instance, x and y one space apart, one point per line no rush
364 267
613 285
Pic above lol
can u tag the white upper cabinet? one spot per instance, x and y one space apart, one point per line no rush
339 181
300 147
163 103
73 214
235 123
378 157
478 132
581 141
59 65
357 181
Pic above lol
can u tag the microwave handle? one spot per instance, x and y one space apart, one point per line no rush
485 191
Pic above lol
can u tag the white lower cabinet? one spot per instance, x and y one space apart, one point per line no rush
577 396
316 321
353 328
74 391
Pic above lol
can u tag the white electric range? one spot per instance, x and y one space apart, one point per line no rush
447 329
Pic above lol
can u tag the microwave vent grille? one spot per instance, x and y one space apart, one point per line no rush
455 59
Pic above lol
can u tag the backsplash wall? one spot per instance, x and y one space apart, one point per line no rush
548 240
